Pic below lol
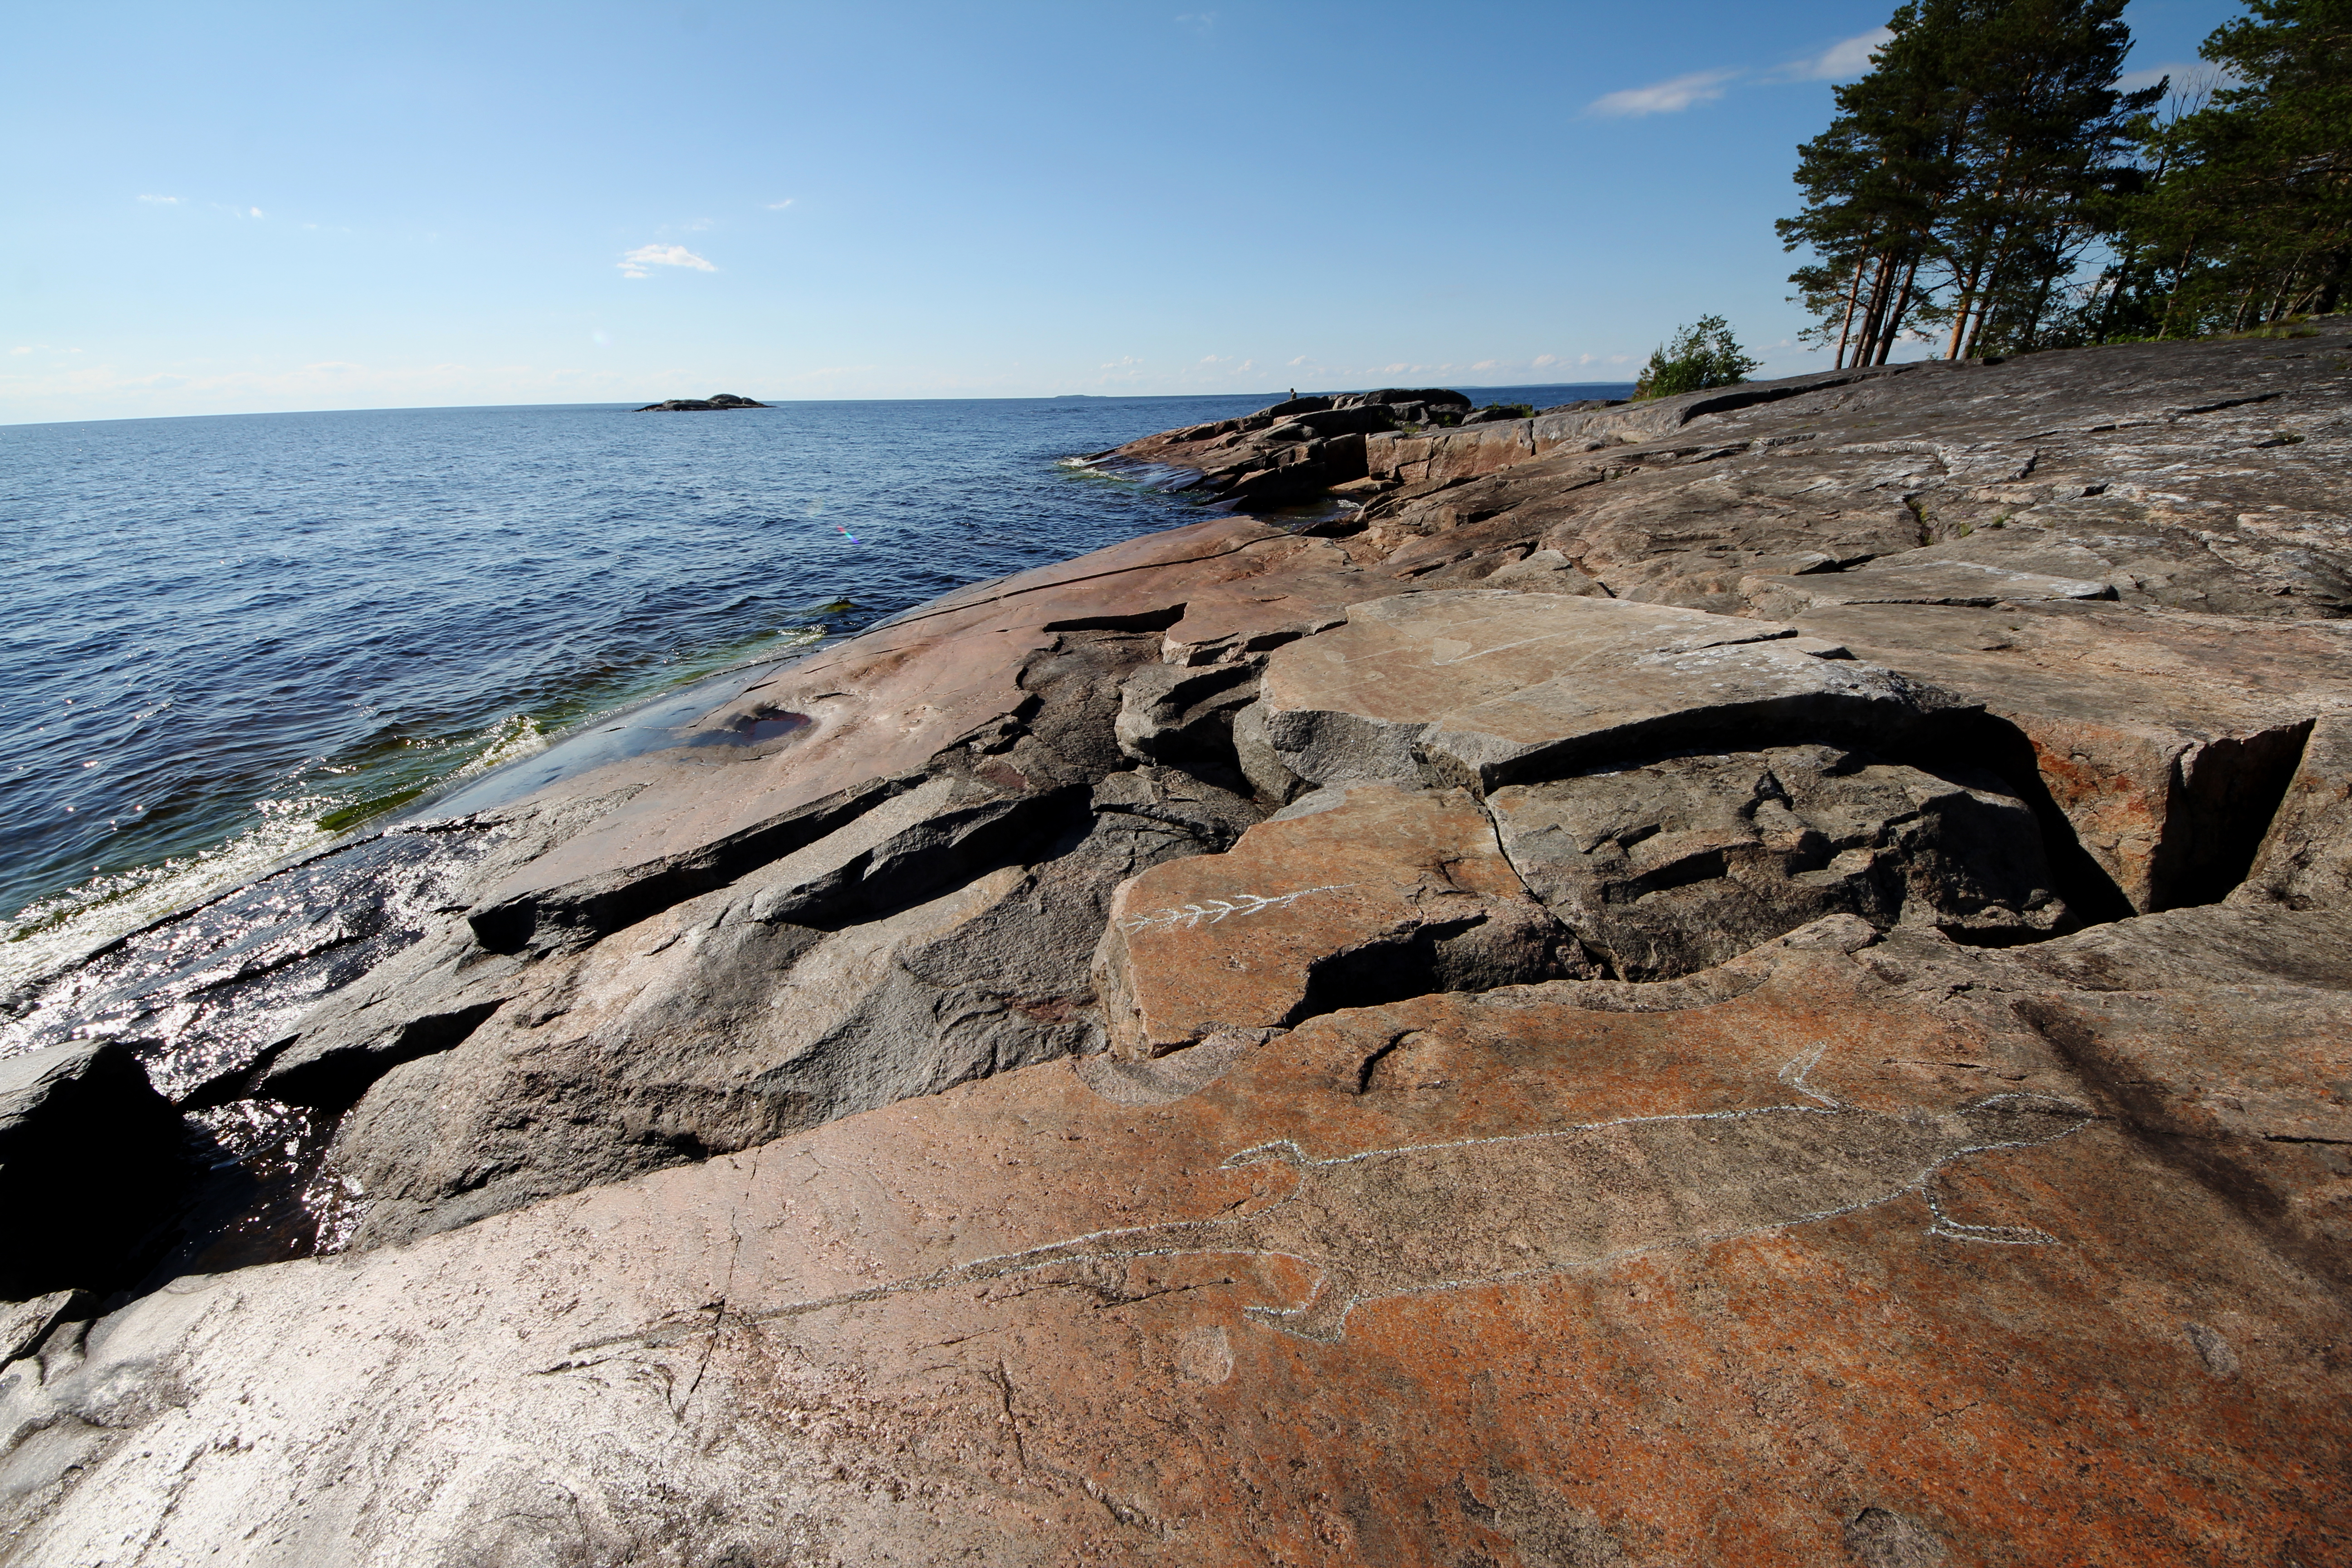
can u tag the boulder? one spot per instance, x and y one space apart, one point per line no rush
24 1324
93 1162
2165 740
1350 897
1182 714
1289 452
1487 686
1434 396
1683 863
1543 572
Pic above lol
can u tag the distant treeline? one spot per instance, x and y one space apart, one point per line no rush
1987 181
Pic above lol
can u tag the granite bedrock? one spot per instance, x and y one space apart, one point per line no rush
1759 977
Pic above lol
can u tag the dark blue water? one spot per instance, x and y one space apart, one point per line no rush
229 638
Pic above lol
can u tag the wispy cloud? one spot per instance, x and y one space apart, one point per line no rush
1662 98
161 201
779 206
635 263
1841 61
1199 21
2188 76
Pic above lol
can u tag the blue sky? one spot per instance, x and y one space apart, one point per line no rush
235 208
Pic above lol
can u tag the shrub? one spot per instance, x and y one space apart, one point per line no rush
1699 356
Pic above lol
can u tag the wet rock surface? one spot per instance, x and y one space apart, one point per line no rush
92 1162
1753 978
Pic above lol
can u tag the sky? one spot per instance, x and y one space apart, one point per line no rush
238 208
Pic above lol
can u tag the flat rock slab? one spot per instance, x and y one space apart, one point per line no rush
1905 581
1354 894
2254 1083
882 705
1489 686
1736 1284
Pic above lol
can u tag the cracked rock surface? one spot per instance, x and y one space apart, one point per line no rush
1692 861
1754 978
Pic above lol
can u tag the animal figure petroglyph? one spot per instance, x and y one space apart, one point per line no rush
1441 1216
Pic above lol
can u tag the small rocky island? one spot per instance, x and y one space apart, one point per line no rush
700 405
1758 977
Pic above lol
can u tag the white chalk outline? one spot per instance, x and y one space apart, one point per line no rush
1191 915
1792 1073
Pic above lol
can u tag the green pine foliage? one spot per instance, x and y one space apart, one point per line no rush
2244 213
1988 180
1701 355
1958 186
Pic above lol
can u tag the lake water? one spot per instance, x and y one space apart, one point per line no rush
228 639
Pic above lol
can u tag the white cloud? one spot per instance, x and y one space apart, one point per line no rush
1542 360
162 201
635 263
27 349
1662 98
779 206
1841 61
1199 21
252 212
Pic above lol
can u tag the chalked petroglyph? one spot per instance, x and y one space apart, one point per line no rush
1191 915
1481 1210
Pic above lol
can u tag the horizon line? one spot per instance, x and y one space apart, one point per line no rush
634 407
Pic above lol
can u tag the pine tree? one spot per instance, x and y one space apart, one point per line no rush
2246 214
2045 134
1873 182
1953 186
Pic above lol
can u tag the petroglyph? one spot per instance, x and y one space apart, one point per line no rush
1481 1210
1215 910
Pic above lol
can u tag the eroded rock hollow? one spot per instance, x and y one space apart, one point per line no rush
1758 977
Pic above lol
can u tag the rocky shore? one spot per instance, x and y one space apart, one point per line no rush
1757 977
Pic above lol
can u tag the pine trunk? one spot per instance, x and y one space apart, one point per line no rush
1893 327
1853 293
